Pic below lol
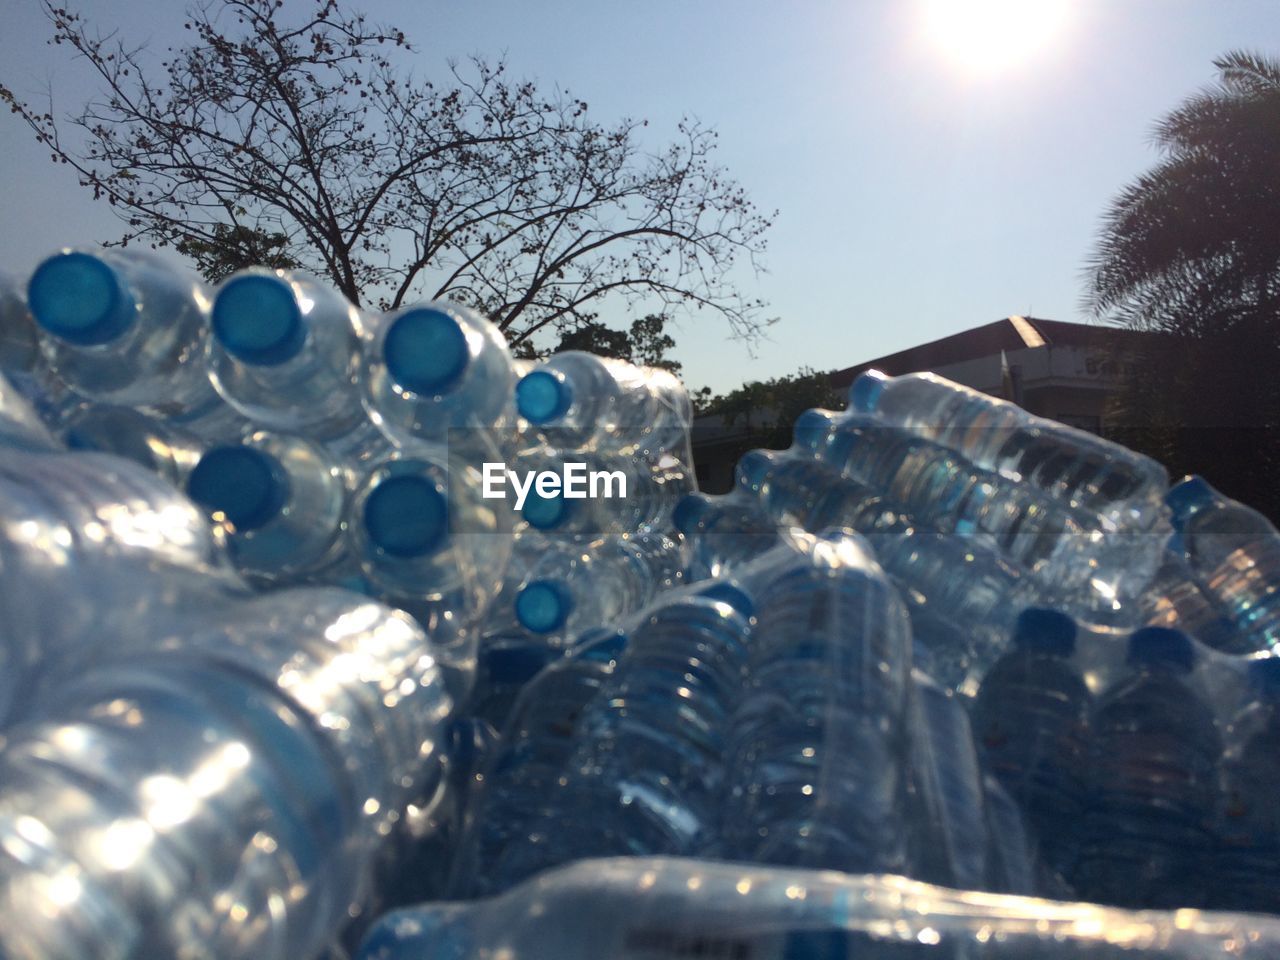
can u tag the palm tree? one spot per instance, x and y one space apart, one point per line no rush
1191 250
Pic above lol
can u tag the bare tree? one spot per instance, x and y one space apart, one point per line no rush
484 190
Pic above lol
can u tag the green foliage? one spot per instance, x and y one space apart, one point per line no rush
1190 250
234 248
646 343
768 408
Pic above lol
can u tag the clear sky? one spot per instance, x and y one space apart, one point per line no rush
931 173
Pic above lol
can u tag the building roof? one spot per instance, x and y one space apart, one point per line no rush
1009 334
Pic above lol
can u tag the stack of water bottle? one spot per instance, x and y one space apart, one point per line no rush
298 625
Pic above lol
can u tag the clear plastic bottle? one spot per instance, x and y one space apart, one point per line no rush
648 765
418 861
801 491
523 779
953 842
606 493
285 352
962 597
1010 861
428 542
504 667
128 327
721 533
1070 464
19 339
91 546
817 746
571 587
1153 778
1063 546
1233 553
22 361
221 799
660 908
1247 855
438 372
161 447
1031 718
579 399
283 499
1175 600
20 426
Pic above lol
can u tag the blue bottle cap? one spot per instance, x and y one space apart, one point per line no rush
546 513
864 393
1162 647
515 663
257 320
1045 631
543 396
78 439
811 429
245 485
752 469
426 351
722 591
543 606
407 516
820 945
1264 677
1190 496
78 298
689 512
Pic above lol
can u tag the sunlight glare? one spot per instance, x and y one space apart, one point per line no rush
990 36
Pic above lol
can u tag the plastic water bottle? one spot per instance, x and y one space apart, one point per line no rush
603 493
128 327
435 372
223 799
22 361
418 861
571 587
676 907
1233 553
1153 781
1031 718
161 447
504 667
721 533
800 491
579 398
283 499
523 780
20 426
954 847
1070 464
1175 600
1010 862
422 529
1247 873
19 340
961 595
648 766
91 546
813 772
942 490
285 352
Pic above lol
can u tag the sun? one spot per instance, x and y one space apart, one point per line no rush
992 36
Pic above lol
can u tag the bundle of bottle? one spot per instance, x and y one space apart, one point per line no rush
293 642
